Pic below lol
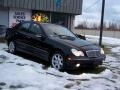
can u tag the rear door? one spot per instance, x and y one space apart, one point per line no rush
22 36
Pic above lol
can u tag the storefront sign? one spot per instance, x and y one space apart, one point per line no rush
18 15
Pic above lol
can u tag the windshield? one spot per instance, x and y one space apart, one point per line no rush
57 30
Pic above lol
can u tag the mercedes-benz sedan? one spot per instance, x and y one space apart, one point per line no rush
55 44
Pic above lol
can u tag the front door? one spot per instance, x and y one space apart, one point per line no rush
38 45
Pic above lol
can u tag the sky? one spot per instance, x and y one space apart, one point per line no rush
91 11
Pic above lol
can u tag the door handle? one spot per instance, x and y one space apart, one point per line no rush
28 37
16 33
38 36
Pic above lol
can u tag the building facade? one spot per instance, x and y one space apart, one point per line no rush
54 11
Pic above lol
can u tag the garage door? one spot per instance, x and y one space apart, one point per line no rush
4 16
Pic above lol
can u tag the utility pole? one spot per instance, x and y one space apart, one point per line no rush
102 22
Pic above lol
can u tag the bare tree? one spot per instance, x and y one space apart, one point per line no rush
95 26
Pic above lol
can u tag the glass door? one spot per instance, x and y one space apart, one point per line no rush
58 18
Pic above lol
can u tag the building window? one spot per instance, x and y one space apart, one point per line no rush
58 18
40 16
52 17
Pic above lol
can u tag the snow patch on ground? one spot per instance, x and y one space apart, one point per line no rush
106 40
17 73
24 74
3 46
116 50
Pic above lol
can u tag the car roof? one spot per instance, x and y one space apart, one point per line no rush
38 22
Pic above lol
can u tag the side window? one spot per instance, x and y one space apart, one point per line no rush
24 27
35 29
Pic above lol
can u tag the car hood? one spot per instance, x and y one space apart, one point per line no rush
76 43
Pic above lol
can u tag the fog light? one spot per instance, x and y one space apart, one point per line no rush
77 65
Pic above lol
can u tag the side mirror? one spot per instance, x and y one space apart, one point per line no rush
81 37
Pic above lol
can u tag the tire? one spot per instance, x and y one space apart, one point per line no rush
12 47
57 61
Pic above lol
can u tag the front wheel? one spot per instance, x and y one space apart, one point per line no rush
11 47
57 61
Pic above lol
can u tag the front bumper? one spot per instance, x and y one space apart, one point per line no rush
84 62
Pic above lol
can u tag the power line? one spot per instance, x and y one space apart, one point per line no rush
91 6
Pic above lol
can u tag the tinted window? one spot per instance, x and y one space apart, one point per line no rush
24 27
35 29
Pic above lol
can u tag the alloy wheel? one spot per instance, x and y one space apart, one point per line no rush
11 47
57 61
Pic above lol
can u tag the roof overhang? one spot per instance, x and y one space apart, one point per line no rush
61 6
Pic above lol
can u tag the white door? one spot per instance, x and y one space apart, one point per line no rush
4 15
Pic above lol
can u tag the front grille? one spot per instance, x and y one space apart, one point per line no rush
93 53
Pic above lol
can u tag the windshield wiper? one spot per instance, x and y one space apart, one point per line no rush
54 35
63 36
66 36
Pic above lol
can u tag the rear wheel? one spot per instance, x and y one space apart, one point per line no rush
11 47
57 61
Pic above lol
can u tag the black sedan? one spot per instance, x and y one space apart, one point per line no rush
55 44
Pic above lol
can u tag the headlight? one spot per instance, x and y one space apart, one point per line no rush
77 53
102 51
